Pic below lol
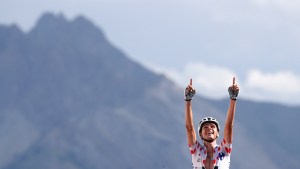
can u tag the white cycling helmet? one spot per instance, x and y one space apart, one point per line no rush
206 120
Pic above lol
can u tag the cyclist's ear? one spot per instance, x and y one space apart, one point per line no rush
200 134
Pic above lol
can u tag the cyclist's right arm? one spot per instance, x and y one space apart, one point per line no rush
191 135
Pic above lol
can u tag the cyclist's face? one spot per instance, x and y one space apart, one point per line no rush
209 131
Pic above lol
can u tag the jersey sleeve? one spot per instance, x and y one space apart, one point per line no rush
195 151
194 148
225 148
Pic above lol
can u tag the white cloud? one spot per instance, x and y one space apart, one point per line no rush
283 86
212 81
279 82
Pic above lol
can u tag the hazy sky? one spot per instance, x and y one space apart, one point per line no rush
258 41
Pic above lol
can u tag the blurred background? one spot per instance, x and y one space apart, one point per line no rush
99 84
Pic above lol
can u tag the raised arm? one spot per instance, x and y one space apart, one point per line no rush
233 93
191 135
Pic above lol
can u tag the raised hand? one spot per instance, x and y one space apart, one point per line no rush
189 91
233 90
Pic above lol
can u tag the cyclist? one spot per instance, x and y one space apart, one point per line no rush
209 155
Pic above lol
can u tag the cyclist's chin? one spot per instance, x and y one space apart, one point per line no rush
211 137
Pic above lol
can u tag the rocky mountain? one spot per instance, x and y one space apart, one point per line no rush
69 99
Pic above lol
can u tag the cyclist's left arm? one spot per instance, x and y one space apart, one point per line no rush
228 130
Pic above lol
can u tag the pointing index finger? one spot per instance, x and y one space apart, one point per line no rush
191 82
233 81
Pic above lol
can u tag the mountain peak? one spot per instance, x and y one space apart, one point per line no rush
82 20
8 31
87 27
48 24
50 20
52 28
